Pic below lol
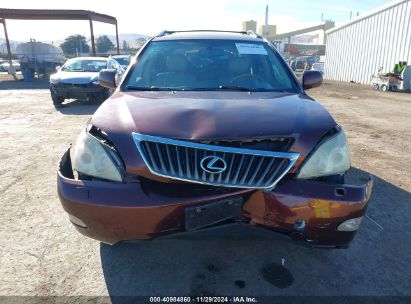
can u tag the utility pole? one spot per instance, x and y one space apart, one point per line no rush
6 36
118 43
93 45
265 32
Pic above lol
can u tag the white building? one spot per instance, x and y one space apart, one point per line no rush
380 38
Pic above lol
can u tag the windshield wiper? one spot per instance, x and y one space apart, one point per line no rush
136 88
237 88
230 88
234 88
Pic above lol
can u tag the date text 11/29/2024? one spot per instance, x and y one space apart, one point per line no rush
204 299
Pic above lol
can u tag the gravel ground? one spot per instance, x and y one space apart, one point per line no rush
42 254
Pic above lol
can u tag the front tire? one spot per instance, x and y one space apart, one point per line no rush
57 100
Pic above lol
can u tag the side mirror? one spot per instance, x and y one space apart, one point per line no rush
58 68
107 78
311 79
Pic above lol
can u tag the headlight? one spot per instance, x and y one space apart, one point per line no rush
93 158
351 224
54 80
331 157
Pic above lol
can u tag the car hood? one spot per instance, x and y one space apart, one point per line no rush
74 77
211 116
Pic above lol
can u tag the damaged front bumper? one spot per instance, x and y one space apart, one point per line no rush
300 209
75 91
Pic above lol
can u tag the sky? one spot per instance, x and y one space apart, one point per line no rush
149 17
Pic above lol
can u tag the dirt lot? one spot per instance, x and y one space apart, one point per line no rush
42 254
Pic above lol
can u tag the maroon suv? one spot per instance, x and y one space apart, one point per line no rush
205 131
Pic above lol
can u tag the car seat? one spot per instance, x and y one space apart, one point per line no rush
176 73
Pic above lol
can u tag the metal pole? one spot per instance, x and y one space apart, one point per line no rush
33 49
93 46
118 44
7 42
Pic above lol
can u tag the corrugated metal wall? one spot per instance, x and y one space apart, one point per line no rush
354 52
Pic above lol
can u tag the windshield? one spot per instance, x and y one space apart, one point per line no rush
210 65
84 65
123 60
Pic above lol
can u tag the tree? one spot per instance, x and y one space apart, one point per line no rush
140 41
103 44
125 45
75 44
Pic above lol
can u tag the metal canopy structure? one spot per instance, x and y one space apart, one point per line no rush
54 14
323 27
298 32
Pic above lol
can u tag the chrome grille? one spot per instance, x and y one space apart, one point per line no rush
245 168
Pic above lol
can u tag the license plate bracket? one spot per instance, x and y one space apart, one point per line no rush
201 216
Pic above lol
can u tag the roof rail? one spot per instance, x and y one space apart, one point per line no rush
163 33
253 34
249 32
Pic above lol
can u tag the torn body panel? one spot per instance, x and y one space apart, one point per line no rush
145 209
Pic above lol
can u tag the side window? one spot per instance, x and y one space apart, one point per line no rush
280 77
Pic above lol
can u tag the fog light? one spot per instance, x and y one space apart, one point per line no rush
351 224
76 221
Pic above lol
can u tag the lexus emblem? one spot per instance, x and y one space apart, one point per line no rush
213 164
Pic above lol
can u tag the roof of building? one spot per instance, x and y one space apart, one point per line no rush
55 14
367 15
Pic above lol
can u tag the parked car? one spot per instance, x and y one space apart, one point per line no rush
309 62
78 78
123 60
291 63
4 67
304 63
206 131
318 66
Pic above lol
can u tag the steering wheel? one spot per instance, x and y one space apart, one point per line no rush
247 75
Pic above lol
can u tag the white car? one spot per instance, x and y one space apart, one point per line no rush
4 67
318 66
123 60
78 78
